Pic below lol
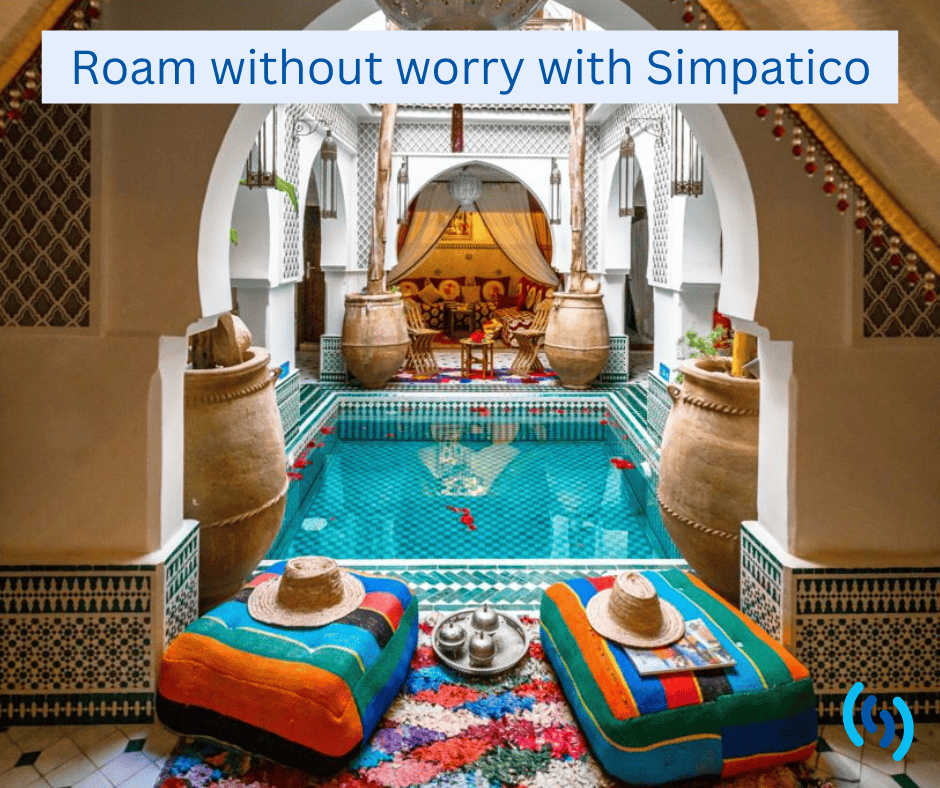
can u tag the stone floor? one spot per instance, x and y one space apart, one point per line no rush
108 756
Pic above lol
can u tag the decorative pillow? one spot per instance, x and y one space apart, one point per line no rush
449 287
306 697
430 294
491 289
410 287
530 294
470 294
505 301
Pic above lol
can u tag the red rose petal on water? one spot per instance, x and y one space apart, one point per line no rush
621 463
471 527
603 421
327 430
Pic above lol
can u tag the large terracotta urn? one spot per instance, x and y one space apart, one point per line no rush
577 342
235 473
708 469
375 337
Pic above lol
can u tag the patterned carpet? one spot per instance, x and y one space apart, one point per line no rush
449 732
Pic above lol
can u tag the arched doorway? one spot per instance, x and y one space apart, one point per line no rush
311 290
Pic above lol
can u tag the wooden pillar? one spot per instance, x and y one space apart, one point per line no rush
383 179
576 177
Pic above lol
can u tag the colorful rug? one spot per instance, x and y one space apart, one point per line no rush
502 375
445 731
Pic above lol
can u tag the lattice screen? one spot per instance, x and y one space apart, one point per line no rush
480 139
893 292
45 221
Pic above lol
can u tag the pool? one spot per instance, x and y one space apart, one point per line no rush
482 484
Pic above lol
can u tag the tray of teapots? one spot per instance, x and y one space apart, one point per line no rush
480 641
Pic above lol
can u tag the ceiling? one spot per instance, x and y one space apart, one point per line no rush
899 143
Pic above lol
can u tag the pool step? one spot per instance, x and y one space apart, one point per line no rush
636 400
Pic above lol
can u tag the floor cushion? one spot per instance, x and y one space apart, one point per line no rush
307 697
657 729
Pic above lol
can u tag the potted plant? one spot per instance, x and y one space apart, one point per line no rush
375 335
708 465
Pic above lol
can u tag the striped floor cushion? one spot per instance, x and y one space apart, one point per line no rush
304 697
656 729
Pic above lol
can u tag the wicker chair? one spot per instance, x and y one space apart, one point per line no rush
420 358
530 341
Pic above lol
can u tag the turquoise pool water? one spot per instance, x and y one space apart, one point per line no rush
478 486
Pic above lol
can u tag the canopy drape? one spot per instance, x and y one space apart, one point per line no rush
434 210
504 208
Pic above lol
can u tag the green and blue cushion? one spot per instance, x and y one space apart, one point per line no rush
658 729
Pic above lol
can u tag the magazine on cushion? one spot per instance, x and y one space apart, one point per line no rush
698 649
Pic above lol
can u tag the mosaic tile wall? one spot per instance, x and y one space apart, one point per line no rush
658 405
81 643
878 626
45 221
332 363
287 390
481 139
617 369
611 133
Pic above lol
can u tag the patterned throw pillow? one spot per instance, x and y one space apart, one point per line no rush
505 301
410 287
470 294
530 294
491 289
449 287
430 294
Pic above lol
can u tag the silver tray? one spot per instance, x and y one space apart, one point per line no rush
511 639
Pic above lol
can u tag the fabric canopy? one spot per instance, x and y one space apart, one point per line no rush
504 208
434 210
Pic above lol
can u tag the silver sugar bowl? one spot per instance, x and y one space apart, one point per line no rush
482 649
452 638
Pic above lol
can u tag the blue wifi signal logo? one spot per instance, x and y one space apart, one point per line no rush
869 723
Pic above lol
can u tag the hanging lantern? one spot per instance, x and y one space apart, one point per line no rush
465 189
687 162
447 15
626 165
261 168
403 191
555 198
328 169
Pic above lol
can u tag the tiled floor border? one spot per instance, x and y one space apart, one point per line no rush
877 625
83 642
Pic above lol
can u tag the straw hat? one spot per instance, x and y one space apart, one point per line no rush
313 591
632 613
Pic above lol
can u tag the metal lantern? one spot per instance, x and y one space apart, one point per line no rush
459 14
626 166
403 191
555 200
466 188
261 169
688 166
328 165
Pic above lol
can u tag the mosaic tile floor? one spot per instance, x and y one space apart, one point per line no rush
103 756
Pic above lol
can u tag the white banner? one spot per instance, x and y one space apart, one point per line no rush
266 67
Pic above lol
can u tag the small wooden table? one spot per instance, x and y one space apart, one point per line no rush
462 312
476 353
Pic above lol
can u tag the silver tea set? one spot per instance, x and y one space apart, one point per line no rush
480 641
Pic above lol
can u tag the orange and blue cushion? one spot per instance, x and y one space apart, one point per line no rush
306 697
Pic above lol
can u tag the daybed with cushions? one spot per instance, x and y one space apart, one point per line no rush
489 298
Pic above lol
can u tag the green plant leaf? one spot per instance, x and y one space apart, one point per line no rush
233 236
288 189
243 182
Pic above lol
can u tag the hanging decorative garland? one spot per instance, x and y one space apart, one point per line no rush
25 85
456 129
905 264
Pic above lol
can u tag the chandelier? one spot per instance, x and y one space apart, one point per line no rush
459 14
466 189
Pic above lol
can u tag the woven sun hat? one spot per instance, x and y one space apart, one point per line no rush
313 591
631 613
